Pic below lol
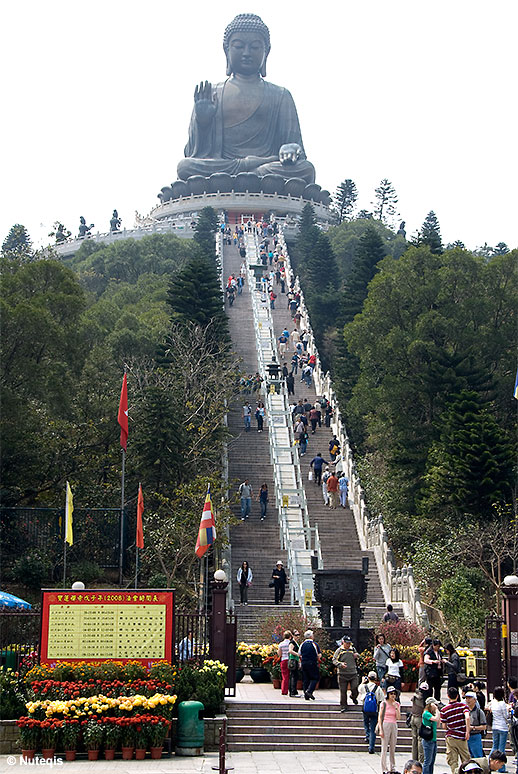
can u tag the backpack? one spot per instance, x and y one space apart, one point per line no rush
370 704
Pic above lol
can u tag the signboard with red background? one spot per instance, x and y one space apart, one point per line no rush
101 624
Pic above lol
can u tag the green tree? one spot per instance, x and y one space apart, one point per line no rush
464 602
370 251
430 324
345 200
17 243
430 233
205 231
195 296
470 466
385 208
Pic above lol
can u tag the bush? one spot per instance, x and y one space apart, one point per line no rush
12 702
402 632
33 571
157 581
86 571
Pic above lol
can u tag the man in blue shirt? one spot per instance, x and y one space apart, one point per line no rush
317 463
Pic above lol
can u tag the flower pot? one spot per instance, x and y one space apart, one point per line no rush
93 755
28 755
156 752
407 687
127 753
109 755
276 682
140 753
260 675
48 753
299 685
240 673
70 755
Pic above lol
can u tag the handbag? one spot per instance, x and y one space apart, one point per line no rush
271 585
310 475
293 663
426 733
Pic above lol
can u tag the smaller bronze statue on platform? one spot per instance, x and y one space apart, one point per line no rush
115 222
84 230
401 230
60 233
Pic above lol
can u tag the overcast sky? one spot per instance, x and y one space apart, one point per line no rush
97 98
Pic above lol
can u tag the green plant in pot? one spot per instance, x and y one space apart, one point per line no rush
92 733
70 734
111 733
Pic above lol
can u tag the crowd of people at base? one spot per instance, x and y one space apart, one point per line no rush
464 717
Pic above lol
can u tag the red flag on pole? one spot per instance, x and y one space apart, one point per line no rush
140 510
122 417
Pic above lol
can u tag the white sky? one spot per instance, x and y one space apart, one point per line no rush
97 98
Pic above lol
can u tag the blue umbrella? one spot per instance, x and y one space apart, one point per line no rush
10 602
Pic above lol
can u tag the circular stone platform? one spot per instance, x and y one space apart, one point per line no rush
247 202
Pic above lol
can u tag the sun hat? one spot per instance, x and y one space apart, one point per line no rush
472 694
424 686
372 675
390 689
430 700
279 562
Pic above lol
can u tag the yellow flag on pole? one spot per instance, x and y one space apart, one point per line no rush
69 510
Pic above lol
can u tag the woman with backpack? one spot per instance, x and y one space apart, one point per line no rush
371 696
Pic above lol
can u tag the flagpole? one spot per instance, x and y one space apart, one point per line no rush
136 567
121 536
65 556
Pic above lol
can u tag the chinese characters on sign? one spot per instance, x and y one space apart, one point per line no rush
106 625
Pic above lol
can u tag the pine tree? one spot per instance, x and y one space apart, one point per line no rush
430 233
369 253
205 231
470 468
345 199
160 439
17 243
195 295
386 201
307 239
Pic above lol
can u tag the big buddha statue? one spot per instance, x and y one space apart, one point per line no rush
245 124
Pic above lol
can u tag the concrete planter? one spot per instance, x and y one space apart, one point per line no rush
9 737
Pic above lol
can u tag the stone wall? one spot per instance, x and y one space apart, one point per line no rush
9 737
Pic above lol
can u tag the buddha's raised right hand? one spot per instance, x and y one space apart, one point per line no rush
204 104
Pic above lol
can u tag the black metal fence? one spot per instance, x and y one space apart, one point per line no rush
192 633
19 639
41 530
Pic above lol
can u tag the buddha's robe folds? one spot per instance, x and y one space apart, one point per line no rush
219 148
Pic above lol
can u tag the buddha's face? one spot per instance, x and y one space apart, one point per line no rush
246 53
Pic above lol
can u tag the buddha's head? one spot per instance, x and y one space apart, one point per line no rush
246 44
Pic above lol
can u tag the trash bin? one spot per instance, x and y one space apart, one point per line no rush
190 730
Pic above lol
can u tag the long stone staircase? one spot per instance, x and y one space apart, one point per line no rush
291 725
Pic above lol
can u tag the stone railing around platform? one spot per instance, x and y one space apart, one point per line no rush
397 583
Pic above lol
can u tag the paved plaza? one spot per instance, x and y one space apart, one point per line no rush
243 763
